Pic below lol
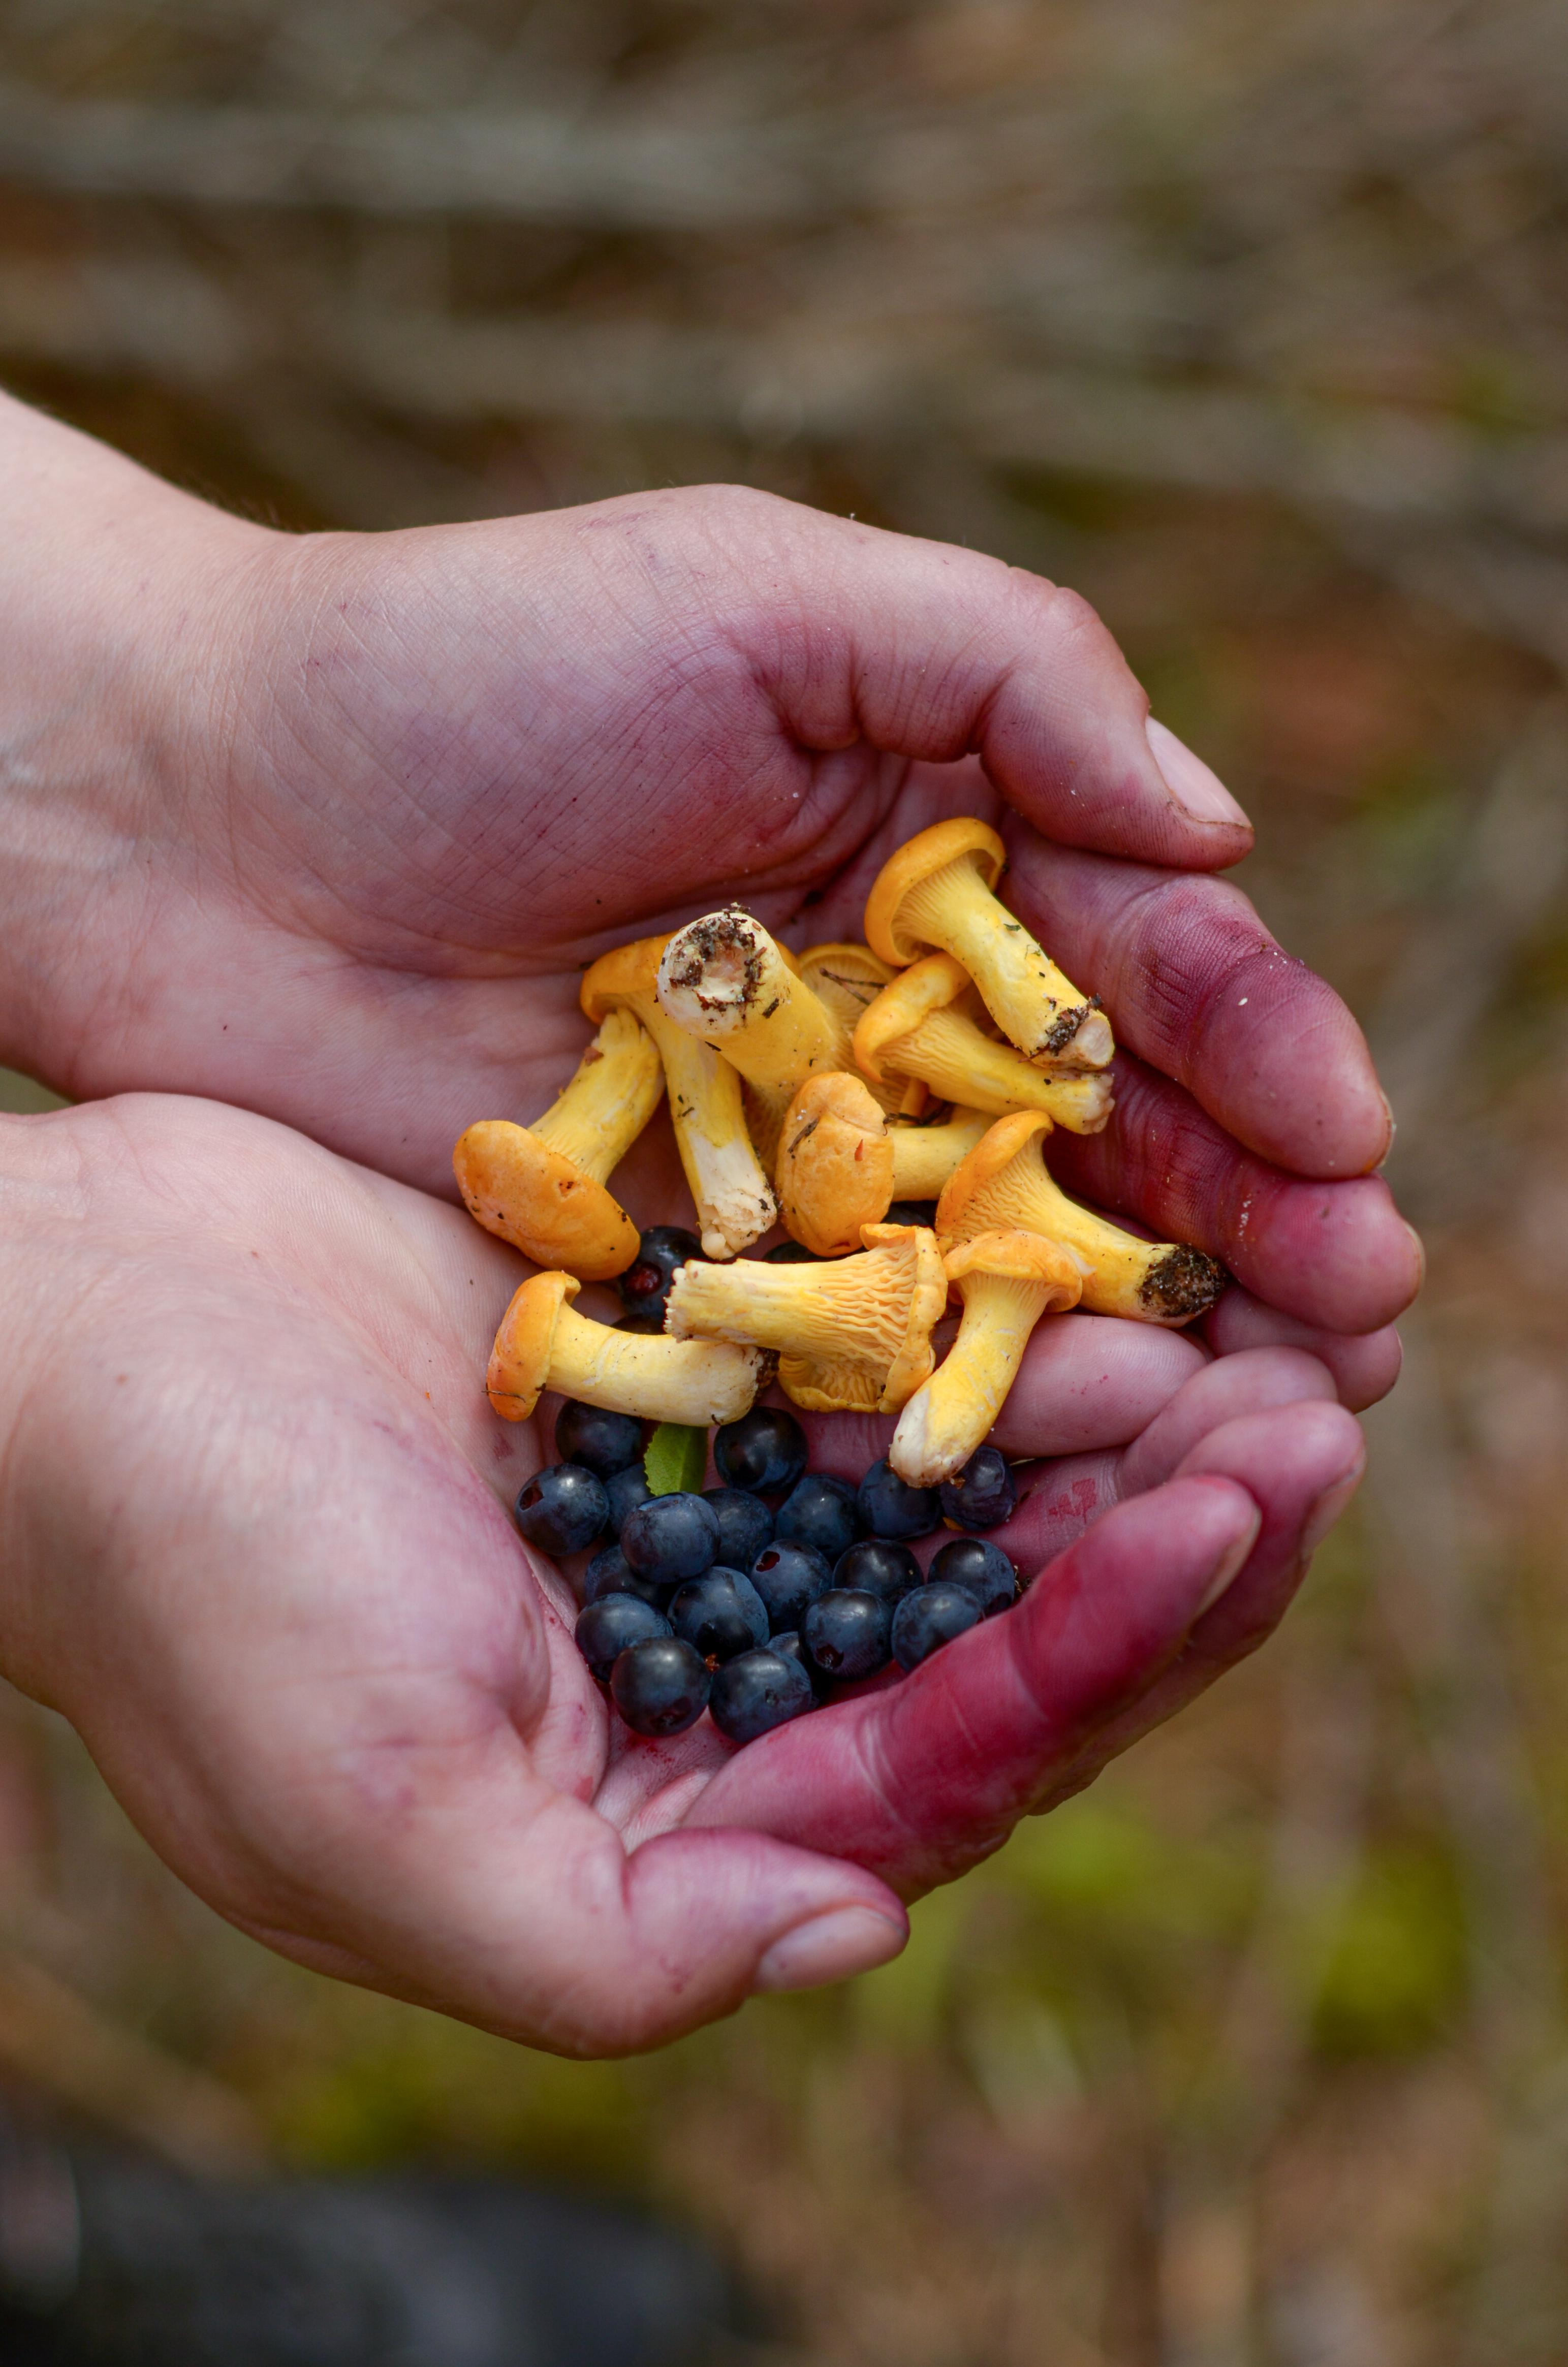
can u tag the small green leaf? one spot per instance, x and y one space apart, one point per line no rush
676 1459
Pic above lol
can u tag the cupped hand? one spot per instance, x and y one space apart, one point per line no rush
256 1545
377 800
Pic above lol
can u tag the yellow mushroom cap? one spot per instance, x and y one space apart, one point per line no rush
931 850
518 1188
1020 1257
996 1149
622 976
930 984
836 1163
519 1361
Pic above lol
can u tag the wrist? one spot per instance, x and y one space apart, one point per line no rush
115 595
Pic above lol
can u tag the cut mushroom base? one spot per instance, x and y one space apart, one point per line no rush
1008 1282
1005 1185
544 1345
841 1165
849 1335
541 1187
729 1189
919 1027
938 890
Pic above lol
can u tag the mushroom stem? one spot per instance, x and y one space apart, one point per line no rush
925 1156
1005 1183
846 979
545 1343
918 1027
729 1189
874 1310
1006 1285
724 979
613 1094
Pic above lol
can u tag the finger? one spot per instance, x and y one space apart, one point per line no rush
1301 1465
1365 1368
1222 1392
1196 984
924 1779
1335 1255
1089 1381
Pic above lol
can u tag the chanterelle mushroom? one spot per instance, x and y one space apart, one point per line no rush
541 1187
841 1164
1007 1281
854 1333
920 1025
847 981
937 891
734 1205
723 979
544 1343
1004 1185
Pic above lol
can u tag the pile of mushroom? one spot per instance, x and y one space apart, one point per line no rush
827 1090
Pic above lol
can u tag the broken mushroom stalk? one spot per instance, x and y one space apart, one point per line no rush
541 1187
544 1343
841 1165
724 979
1004 1185
939 891
1007 1281
729 1189
851 1335
921 1025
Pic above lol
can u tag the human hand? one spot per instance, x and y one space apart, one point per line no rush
254 1546
359 808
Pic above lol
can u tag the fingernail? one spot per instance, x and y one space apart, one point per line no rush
1200 794
829 1948
1229 1566
1327 1509
1420 1257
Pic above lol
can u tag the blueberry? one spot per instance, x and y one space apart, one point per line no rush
847 1634
788 1578
561 1509
645 1285
819 1511
623 1494
720 1614
765 1451
605 1628
891 1508
910 1212
670 1538
660 1686
876 1566
791 1253
609 1572
931 1616
758 1690
602 1443
981 1495
745 1524
789 1647
983 1570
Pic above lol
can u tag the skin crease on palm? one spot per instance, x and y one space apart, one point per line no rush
328 828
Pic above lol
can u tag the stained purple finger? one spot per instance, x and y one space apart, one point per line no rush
1365 1369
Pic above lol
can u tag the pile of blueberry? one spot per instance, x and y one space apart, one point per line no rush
751 1600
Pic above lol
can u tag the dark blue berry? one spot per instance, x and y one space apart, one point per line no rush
745 1524
890 1507
981 1495
609 1572
670 1538
790 1253
847 1634
757 1692
980 1568
660 1686
645 1285
602 1443
623 1494
720 1614
789 1647
562 1509
765 1451
789 1577
605 1628
876 1566
929 1617
910 1212
819 1511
